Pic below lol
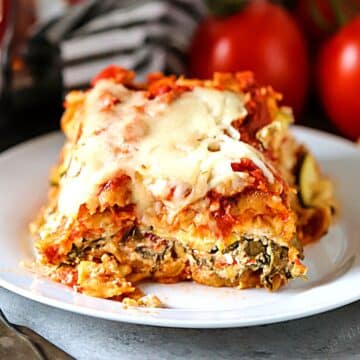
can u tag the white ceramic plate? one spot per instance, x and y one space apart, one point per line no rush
334 262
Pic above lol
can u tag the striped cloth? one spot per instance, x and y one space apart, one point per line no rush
146 36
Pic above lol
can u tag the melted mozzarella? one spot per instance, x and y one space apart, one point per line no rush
174 153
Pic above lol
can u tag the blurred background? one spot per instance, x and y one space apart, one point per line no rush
309 50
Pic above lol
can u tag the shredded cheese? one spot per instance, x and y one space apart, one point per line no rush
186 145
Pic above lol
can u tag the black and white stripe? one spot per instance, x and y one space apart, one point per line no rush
147 36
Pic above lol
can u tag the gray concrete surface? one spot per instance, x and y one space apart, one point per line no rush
333 335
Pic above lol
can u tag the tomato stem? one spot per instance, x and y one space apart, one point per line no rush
341 18
230 7
225 7
318 17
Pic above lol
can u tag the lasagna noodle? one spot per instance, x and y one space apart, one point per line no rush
177 179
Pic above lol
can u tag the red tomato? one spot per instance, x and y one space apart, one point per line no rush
263 38
338 71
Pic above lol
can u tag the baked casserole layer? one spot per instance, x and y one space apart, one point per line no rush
179 179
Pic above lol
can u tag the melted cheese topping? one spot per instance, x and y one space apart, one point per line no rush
174 152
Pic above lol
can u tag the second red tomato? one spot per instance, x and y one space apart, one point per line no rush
263 38
339 78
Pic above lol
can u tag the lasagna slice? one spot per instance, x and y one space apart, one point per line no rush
179 179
